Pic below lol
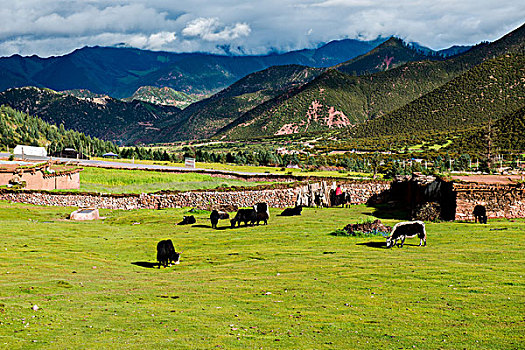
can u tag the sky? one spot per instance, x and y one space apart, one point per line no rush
57 27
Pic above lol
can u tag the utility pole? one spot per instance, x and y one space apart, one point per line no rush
489 144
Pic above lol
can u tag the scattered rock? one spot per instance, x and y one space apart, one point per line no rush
367 227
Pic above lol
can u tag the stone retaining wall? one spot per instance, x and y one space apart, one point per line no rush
275 197
501 201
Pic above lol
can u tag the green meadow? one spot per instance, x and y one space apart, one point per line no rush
287 285
138 181
257 169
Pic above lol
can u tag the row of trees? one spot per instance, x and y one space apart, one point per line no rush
390 165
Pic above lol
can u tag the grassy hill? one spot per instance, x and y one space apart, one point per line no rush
102 117
486 92
203 119
164 96
338 100
20 128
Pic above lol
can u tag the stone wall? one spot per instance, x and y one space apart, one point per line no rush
275 197
36 178
501 201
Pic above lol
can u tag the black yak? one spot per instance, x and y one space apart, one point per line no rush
187 220
262 216
216 215
166 253
262 212
244 215
292 211
480 214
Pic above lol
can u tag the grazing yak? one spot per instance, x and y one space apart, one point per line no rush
244 215
480 214
166 253
406 229
187 220
292 211
262 216
262 212
217 215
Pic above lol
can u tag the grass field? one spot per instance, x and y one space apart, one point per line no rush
288 285
138 181
255 169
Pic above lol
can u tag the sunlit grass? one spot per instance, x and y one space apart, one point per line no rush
255 169
288 285
138 181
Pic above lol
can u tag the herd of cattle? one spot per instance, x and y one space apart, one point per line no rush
166 254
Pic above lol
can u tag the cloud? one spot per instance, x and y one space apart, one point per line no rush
211 29
55 27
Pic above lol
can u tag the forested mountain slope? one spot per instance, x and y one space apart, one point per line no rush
20 128
204 118
392 53
483 94
335 99
102 117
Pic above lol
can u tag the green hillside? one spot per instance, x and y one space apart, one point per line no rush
20 128
102 117
392 53
486 92
338 100
203 119
164 96
511 131
82 93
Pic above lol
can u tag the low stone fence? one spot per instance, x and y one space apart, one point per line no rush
501 201
275 196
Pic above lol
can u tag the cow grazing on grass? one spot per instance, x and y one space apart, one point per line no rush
406 229
292 211
244 215
217 215
166 253
480 214
187 220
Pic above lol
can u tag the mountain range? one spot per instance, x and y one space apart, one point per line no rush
339 100
390 88
120 72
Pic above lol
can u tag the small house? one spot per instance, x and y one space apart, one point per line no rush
110 155
23 150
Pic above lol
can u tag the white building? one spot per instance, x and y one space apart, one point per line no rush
30 151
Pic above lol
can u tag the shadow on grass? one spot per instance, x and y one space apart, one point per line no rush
146 264
201 226
382 245
219 228
383 211
378 245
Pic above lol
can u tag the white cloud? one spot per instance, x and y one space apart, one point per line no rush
211 29
54 27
